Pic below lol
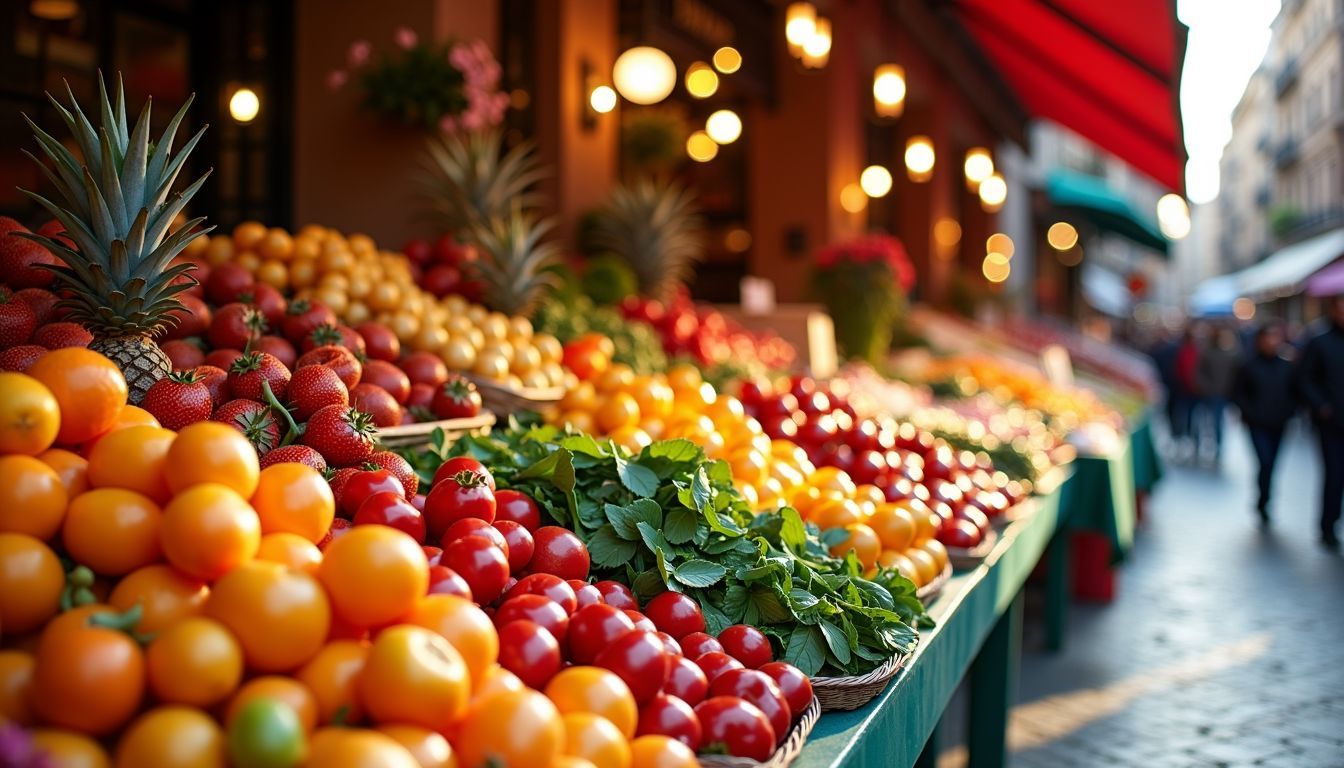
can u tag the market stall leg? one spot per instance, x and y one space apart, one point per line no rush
993 680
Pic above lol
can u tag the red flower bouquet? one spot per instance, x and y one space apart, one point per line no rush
863 283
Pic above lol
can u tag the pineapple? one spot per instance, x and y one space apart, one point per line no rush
654 227
469 183
117 208
514 264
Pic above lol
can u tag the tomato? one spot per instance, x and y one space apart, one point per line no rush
641 621
280 617
212 452
517 507
267 733
283 689
466 627
481 563
416 677
715 663
290 550
549 586
756 688
29 415
593 628
670 646
520 545
32 497
529 651
637 658
70 750
330 677
560 552
195 662
617 595
459 464
697 644
430 749
497 680
595 690
584 593
792 683
294 498
595 739
670 716
342 747
133 458
432 554
16 678
463 495
164 595
208 530
686 681
374 575
89 389
72 468
112 531
661 752
520 728
746 644
536 608
79 661
473 526
364 484
736 726
391 509
676 614
31 581
445 581
172 737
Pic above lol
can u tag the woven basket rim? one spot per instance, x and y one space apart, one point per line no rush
934 588
483 420
885 672
962 557
785 754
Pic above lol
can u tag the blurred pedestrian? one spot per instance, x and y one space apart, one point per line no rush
1263 395
1218 363
1187 391
1163 354
1321 382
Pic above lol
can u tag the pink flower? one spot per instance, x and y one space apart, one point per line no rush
336 78
360 50
405 38
447 124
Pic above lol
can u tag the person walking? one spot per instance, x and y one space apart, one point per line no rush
1263 395
1218 363
1186 392
1321 383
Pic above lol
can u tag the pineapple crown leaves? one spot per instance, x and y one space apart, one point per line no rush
656 228
515 265
467 181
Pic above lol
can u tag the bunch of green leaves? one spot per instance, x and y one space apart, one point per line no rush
637 344
416 86
668 518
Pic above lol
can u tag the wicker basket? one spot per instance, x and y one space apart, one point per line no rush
787 752
846 693
963 558
930 591
504 400
418 434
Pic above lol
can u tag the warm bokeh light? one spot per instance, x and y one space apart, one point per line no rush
724 126
978 166
1000 243
701 81
1173 216
947 232
54 10
1061 236
919 158
889 90
1070 258
875 181
996 267
244 105
701 148
817 49
644 75
800 22
853 199
737 240
727 60
602 99
1243 308
993 191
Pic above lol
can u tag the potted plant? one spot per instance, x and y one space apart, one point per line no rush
863 284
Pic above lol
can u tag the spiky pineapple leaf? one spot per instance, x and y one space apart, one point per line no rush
515 264
654 227
468 181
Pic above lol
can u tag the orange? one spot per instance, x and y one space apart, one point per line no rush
277 244
618 378
208 530
283 689
497 680
684 377
134 416
596 740
172 737
294 498
88 387
330 677
413 676
834 479
248 234
465 626
16 678
894 526
631 438
290 550
654 397
924 563
133 458
901 563
617 410
580 398
870 493
358 748
657 751
280 617
595 690
835 513
112 530
72 468
516 728
69 749
374 575
29 415
863 540
195 662
698 398
939 552
926 524
164 594
430 749
211 452
32 497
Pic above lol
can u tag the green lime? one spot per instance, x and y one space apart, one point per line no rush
267 733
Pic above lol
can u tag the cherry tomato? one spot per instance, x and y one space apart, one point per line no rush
280 617
416 677
364 484
195 662
617 595
16 677
79 660
670 716
547 585
736 726
795 685
512 728
481 564
757 688
70 750
520 543
593 628
559 552
357 747
697 644
460 464
536 608
432 554
165 596
641 621
267 732
595 741
445 581
529 651
686 681
517 507
374 575
638 659
715 663
463 495
390 509
430 749
676 614
746 644
472 526
331 676
595 690
661 752
31 581
172 737
584 593
284 689
670 646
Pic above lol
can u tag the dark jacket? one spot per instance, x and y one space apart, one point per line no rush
1320 377
1263 391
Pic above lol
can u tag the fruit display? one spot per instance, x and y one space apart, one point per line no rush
636 344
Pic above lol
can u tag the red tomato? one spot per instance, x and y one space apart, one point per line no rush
676 614
738 727
638 659
481 564
549 586
697 644
686 681
457 497
617 595
669 716
594 627
795 685
518 507
535 608
462 464
471 526
364 484
746 644
584 593
390 509
715 663
520 543
641 621
670 645
527 650
445 581
559 552
757 688
432 554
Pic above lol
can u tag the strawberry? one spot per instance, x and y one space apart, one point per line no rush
61 335
226 281
17 321
399 467
421 396
302 316
375 401
344 436
254 420
336 335
21 358
249 371
184 354
267 300
223 358
21 259
337 482
295 454
280 347
192 320
179 399
236 325
41 301
339 526
216 380
339 359
456 398
388 376
380 343
314 387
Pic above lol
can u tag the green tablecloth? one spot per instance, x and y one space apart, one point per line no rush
1100 497
1147 464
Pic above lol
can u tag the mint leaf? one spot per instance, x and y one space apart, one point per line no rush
639 480
700 573
609 550
701 492
666 571
765 607
735 599
803 649
792 532
627 519
680 525
802 600
653 539
648 585
720 473
668 457
836 641
584 445
715 620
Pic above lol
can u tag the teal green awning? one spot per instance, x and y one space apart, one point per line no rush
1105 208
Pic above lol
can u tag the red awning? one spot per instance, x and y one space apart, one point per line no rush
1106 70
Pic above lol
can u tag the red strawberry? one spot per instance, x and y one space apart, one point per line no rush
268 300
41 301
399 467
61 335
339 359
420 397
184 354
278 346
380 343
236 325
336 335
302 316
20 259
254 420
344 436
216 380
376 402
21 358
226 281
179 399
388 376
295 454
17 321
339 526
192 320
223 358
456 398
314 387
249 371
424 368
337 482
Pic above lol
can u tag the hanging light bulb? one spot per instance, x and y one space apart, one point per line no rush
602 99
644 75
1061 236
244 105
993 191
817 49
875 181
701 81
919 158
701 148
1173 216
727 60
800 21
978 166
724 126
889 90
